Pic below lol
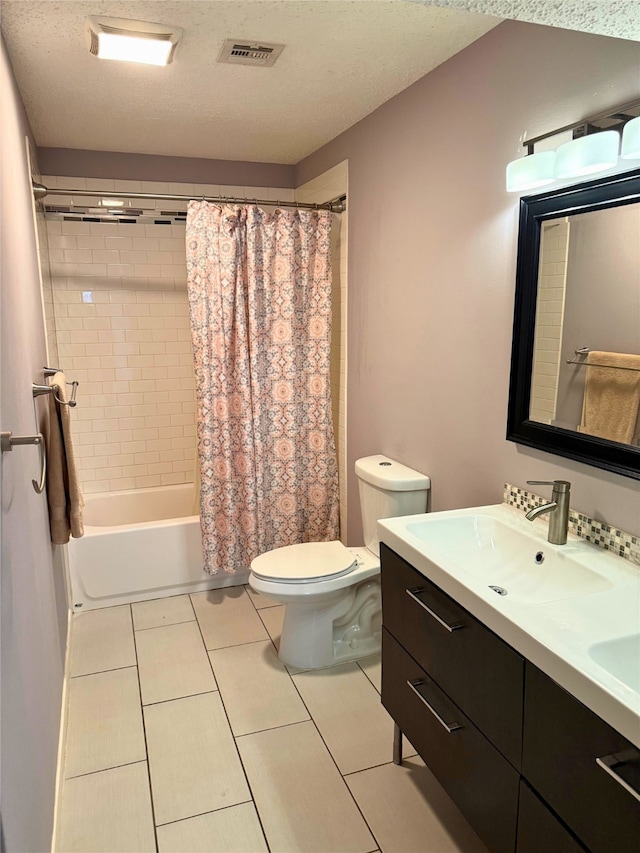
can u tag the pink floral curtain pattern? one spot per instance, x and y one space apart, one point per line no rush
260 302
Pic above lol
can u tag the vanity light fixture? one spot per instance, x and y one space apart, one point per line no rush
131 41
588 155
631 140
593 149
531 172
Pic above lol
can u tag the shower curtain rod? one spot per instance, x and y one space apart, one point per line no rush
336 205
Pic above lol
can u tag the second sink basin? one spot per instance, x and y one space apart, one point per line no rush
621 658
518 564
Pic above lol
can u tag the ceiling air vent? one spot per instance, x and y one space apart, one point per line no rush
261 54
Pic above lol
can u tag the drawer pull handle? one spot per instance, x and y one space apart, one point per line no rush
609 762
454 626
450 727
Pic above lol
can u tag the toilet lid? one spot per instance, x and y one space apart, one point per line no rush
309 561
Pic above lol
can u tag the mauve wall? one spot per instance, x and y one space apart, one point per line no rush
151 167
32 626
432 257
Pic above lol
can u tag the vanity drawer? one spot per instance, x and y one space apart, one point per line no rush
539 830
562 740
474 774
480 672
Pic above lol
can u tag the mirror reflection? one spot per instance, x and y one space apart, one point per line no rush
586 363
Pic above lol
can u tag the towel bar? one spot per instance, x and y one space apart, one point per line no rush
50 389
586 351
8 441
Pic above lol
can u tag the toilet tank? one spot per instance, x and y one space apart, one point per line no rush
388 489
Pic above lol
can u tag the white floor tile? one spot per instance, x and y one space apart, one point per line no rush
162 611
408 810
192 758
107 812
301 798
372 668
232 830
101 640
104 725
173 663
256 688
227 617
347 710
259 600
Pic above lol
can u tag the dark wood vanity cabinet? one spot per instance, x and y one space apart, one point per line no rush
564 749
474 774
539 830
478 670
456 691
515 751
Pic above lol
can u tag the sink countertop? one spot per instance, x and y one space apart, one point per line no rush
556 635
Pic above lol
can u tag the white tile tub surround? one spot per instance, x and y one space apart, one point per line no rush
121 318
324 187
550 314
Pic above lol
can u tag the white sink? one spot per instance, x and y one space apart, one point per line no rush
506 559
620 658
560 612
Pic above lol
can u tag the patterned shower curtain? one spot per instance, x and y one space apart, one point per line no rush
260 302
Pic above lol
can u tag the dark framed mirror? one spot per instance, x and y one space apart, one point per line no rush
576 317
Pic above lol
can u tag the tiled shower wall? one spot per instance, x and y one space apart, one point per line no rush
327 186
122 331
549 313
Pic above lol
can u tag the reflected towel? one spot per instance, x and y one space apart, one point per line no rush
612 396
63 489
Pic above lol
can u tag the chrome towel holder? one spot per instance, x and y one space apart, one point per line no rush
8 441
38 390
583 363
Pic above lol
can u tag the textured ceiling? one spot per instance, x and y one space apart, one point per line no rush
618 18
341 61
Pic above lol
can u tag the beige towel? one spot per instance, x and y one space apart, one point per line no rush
63 490
612 396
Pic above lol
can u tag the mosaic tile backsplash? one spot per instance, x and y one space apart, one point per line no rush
625 545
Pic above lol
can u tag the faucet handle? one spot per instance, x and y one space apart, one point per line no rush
558 485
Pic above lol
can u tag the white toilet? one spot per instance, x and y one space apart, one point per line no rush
332 593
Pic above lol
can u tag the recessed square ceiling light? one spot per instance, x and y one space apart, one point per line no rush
132 41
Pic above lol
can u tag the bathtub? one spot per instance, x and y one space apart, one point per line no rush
138 545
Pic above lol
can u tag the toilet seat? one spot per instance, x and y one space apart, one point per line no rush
305 563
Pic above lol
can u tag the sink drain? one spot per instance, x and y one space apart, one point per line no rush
499 589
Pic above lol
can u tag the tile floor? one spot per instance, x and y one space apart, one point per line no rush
187 733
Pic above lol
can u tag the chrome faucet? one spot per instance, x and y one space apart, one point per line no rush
558 509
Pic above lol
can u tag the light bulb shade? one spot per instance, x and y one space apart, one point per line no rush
131 41
588 155
631 140
530 172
